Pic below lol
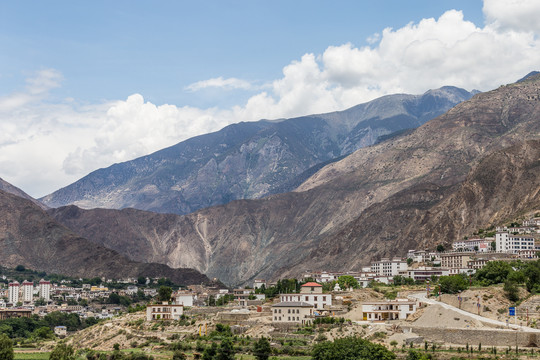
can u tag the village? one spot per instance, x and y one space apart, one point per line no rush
396 302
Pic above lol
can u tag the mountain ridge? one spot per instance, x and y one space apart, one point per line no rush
289 232
249 160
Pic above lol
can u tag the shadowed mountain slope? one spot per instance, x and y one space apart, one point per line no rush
30 237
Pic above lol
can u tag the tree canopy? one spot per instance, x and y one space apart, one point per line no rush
351 348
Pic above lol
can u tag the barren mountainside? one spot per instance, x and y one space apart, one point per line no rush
30 237
250 160
446 178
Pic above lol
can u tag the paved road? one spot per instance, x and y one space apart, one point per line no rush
423 298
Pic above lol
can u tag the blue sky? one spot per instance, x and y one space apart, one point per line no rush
84 85
111 49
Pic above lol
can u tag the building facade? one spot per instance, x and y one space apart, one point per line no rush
295 312
387 267
164 311
13 292
398 309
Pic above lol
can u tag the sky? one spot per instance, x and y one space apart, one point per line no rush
84 85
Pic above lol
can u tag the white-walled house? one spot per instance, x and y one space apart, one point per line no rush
164 311
185 299
310 293
398 309
292 312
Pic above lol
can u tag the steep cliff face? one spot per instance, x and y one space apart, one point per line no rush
30 237
249 160
407 191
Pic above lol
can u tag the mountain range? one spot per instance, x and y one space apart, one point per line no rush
250 160
30 237
472 167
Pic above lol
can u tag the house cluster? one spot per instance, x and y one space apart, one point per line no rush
466 257
22 299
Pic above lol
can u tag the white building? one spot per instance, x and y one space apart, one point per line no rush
310 293
185 299
509 243
27 291
13 292
398 309
258 283
164 311
387 267
292 312
481 245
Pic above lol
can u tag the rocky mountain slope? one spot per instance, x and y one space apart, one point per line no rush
7 187
250 160
30 237
432 185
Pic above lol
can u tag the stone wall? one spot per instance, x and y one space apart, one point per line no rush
474 337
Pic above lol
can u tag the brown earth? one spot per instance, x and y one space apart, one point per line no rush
473 167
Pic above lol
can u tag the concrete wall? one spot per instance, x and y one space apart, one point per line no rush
476 336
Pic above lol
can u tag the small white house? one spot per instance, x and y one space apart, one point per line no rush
164 311
398 309
60 331
185 299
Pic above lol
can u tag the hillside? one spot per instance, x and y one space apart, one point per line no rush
250 160
413 190
9 188
30 237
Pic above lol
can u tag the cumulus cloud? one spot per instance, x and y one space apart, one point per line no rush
44 146
519 15
220 82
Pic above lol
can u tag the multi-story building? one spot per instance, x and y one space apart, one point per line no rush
456 260
14 288
27 291
295 312
311 293
509 243
45 290
398 309
424 273
481 245
164 311
387 267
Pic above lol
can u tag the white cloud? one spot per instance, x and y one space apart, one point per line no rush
519 15
220 82
45 146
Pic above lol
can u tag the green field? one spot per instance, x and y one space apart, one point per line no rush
31 356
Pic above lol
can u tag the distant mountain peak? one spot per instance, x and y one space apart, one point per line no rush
250 160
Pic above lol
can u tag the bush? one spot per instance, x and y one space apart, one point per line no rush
351 348
6 347
62 352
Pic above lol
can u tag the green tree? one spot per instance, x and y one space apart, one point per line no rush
20 268
62 352
440 248
262 349
347 281
453 284
141 280
495 272
511 290
226 350
40 302
210 352
6 348
351 348
164 293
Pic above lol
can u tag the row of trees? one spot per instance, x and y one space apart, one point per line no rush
42 327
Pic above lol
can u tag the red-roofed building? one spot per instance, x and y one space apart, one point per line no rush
311 293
